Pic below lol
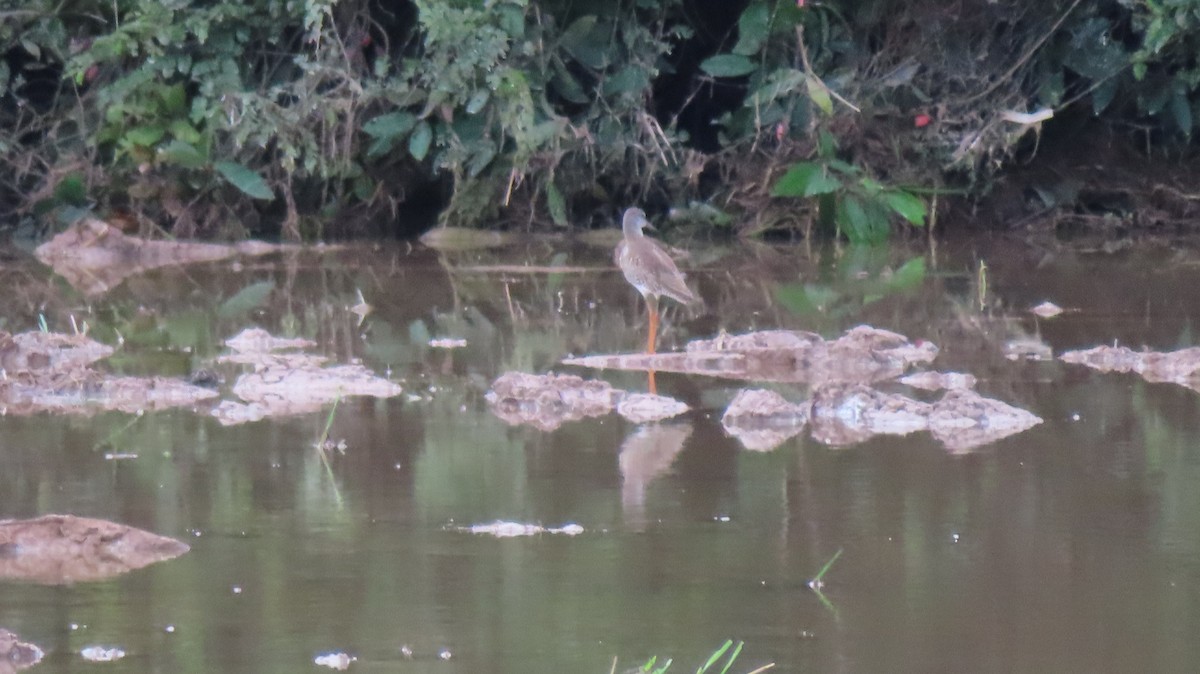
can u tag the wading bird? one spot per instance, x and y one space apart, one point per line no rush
649 269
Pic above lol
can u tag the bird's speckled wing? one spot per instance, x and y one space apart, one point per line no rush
652 271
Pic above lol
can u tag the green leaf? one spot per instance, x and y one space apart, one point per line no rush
1052 88
71 190
582 41
871 186
145 136
557 205
512 20
753 27
390 125
477 101
482 157
567 86
380 147
804 300
910 275
805 179
818 94
246 300
851 218
826 143
182 130
419 141
728 65
859 222
1103 95
247 180
629 79
179 153
779 84
845 168
174 100
1093 52
909 207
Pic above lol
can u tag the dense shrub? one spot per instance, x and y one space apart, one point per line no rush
194 116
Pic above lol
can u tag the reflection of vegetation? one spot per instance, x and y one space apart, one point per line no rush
862 279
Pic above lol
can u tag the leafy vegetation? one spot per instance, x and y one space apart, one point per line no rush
263 116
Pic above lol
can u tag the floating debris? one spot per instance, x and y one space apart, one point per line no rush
95 257
64 549
338 661
502 529
447 343
1047 310
641 408
1028 348
15 654
762 420
938 381
862 355
102 653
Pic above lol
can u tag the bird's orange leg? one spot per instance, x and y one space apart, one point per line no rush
651 383
652 339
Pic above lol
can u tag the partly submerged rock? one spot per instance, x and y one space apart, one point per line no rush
94 256
937 381
1179 367
961 420
965 420
641 408
864 354
35 351
16 655
844 414
64 549
50 372
546 401
762 420
284 382
257 340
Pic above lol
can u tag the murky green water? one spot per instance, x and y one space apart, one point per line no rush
1072 547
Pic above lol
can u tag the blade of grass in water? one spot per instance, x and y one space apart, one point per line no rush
733 656
716 656
824 569
337 494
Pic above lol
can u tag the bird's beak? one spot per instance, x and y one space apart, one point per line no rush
646 224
